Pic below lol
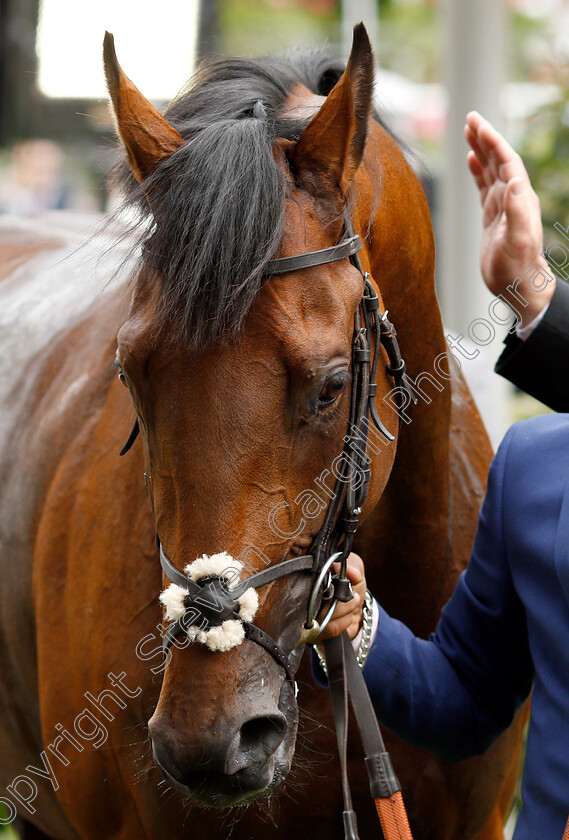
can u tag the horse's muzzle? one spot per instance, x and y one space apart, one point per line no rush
221 771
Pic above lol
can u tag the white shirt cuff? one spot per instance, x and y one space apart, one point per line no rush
374 624
524 332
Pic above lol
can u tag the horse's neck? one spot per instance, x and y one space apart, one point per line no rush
407 535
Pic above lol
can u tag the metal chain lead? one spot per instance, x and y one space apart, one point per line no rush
365 641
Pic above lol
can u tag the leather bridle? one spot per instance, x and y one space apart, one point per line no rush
210 601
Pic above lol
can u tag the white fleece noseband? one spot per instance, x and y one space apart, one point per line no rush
230 633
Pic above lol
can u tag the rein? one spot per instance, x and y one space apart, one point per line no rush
213 600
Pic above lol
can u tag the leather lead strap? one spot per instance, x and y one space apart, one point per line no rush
339 697
384 785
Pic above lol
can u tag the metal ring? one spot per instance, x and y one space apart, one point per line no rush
311 609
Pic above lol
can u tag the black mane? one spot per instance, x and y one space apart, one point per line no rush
218 201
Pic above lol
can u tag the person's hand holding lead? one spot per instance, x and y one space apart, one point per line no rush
348 615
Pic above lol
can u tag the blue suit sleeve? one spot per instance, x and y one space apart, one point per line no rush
457 691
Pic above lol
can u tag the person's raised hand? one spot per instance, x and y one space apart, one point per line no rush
512 238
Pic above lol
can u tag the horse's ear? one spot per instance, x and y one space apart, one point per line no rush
332 145
147 136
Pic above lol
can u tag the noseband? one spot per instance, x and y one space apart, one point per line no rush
210 601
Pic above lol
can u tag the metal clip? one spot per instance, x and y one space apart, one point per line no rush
309 634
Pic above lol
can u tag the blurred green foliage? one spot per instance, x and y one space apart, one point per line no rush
409 32
256 27
545 150
410 40
544 143
527 42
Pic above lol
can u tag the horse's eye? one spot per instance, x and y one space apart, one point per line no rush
332 389
122 377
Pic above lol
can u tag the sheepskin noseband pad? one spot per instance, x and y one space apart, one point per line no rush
216 603
212 616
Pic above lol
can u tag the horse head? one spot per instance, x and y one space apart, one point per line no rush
241 370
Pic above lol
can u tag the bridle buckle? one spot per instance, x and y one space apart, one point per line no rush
310 634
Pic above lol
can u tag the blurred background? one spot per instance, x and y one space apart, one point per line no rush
437 59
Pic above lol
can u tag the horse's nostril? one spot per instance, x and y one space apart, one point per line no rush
267 732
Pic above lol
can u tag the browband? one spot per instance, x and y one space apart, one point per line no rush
346 248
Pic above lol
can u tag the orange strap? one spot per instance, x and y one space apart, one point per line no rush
393 817
566 832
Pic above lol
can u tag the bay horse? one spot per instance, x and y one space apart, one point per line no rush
240 385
